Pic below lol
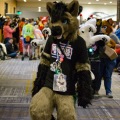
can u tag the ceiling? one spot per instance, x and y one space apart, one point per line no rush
32 5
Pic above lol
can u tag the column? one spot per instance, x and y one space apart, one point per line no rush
118 10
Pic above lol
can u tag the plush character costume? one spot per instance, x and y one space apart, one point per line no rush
46 32
37 43
64 62
108 30
3 51
102 65
87 32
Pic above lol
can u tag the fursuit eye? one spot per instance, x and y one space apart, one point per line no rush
105 27
65 21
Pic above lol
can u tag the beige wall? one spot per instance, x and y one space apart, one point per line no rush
25 8
11 5
108 10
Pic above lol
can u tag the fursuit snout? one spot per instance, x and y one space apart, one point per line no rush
56 30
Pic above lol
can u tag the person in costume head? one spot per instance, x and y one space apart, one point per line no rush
37 43
68 51
106 64
94 41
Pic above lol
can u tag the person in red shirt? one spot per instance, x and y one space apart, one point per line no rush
7 31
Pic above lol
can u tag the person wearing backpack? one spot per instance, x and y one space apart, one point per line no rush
28 36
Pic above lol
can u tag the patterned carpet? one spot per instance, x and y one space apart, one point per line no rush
16 78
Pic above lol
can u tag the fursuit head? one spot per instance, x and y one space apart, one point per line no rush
63 19
87 32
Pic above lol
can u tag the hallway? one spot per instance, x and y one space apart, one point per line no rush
16 78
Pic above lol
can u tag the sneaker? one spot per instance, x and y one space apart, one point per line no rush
109 95
96 94
22 58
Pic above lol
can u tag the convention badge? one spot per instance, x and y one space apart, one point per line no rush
53 66
59 83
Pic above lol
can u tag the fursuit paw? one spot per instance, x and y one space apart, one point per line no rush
106 38
84 103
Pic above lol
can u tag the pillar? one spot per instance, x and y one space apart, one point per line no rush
118 10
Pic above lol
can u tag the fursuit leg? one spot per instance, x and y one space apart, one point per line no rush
65 107
41 106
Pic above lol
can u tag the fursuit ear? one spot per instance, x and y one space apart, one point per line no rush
73 8
49 6
80 9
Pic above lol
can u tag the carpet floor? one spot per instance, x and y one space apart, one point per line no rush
16 79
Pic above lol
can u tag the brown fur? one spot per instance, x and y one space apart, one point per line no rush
81 67
42 105
109 30
108 25
69 30
45 61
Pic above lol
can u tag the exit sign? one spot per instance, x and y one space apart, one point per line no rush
19 12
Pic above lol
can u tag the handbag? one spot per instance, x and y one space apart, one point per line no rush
110 52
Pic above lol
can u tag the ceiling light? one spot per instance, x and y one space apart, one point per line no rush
89 3
110 2
39 9
25 0
105 3
39 0
97 0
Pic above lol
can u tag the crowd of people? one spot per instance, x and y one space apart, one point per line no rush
18 34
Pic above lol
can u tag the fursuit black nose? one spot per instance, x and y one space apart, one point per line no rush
56 30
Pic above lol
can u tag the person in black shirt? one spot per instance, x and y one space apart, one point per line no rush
10 49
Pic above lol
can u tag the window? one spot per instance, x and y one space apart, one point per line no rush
6 8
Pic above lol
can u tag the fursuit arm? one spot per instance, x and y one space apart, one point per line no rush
41 73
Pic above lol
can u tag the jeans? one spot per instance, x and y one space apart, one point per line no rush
13 55
106 70
27 48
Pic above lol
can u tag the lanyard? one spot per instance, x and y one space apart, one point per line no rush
61 57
